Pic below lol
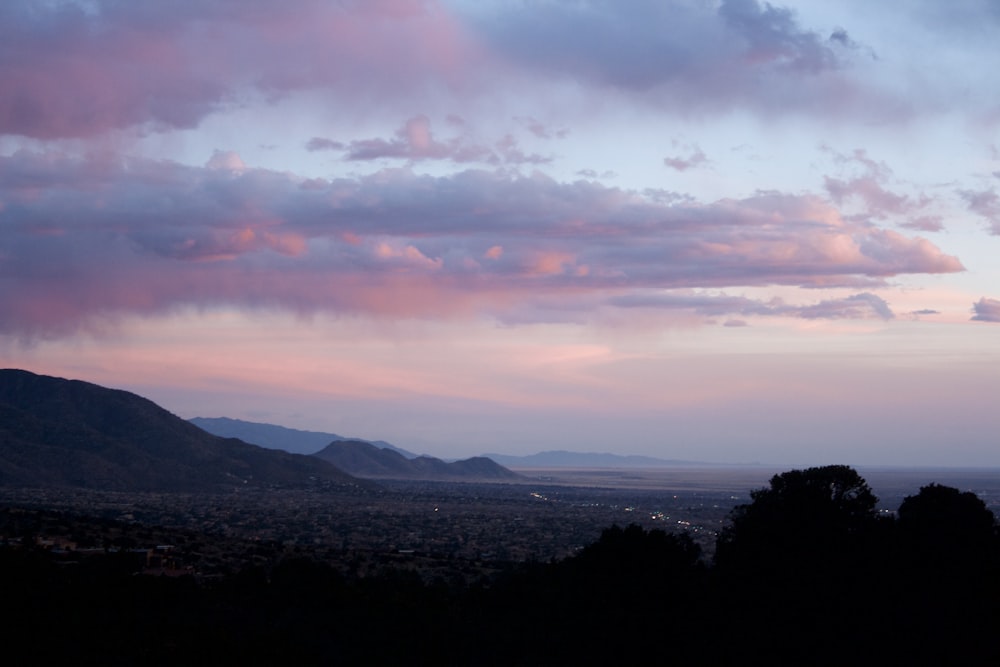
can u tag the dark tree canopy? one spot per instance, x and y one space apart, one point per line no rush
821 510
944 524
945 511
634 548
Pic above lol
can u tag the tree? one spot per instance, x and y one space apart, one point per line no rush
798 558
944 526
812 515
636 552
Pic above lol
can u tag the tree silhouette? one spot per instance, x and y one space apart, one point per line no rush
804 516
945 576
942 523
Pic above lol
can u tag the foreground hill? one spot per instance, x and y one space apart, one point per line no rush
68 433
364 459
279 437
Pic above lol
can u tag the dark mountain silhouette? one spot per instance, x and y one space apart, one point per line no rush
280 437
69 433
364 459
565 459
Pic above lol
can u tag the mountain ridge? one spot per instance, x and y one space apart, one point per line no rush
363 459
56 432
274 436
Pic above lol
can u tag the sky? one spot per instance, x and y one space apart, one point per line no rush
710 230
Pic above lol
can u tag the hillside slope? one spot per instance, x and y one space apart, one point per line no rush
58 432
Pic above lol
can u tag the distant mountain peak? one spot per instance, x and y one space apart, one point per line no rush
364 459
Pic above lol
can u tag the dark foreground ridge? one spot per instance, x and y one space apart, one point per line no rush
67 433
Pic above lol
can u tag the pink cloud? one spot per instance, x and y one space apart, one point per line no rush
695 159
83 70
226 161
550 263
869 189
70 72
86 238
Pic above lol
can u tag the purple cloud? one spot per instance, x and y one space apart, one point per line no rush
541 130
87 237
859 306
686 56
695 159
985 203
415 141
324 144
986 310
878 201
83 70
924 223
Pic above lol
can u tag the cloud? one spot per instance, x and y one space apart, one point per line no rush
539 129
84 70
89 237
869 189
415 141
862 306
323 144
226 161
70 70
985 203
686 56
695 159
924 223
986 310
858 306
656 42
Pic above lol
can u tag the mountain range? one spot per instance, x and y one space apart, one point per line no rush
311 442
68 433
281 437
56 432
364 459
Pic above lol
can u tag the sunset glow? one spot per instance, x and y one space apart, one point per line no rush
720 231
